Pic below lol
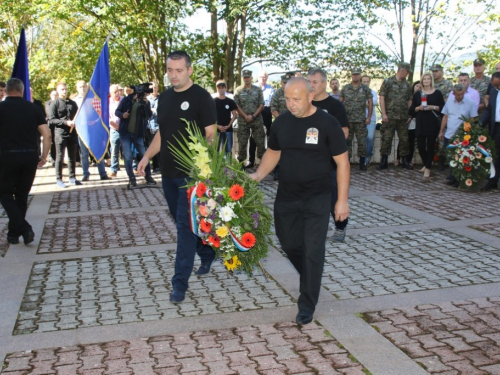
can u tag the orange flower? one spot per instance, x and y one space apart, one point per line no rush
248 239
236 192
214 241
467 126
200 191
204 211
205 226
465 142
467 137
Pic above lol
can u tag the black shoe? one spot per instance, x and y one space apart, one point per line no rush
304 317
204 268
250 165
28 237
489 186
362 164
150 180
132 183
177 296
451 181
13 240
406 163
383 163
85 178
105 177
441 163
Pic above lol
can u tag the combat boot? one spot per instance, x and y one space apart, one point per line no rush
383 163
362 163
406 163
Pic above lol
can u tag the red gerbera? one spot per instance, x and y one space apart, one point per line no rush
201 189
465 142
236 192
205 226
468 168
248 239
466 160
214 241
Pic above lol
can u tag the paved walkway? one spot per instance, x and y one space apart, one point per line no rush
415 288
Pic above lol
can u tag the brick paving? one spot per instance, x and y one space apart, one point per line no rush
454 204
386 263
111 230
264 349
105 199
461 337
493 229
4 245
132 288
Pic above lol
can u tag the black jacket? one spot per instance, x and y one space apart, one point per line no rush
143 115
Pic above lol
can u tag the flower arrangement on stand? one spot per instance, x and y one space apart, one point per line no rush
227 208
471 154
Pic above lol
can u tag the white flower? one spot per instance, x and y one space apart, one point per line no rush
453 163
211 203
488 159
226 213
472 148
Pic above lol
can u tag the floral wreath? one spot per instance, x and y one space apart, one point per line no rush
471 154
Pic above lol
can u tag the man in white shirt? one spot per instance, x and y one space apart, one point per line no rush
470 93
114 137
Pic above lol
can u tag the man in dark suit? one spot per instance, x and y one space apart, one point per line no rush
491 119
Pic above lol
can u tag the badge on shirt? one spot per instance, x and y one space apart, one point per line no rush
185 106
227 106
312 136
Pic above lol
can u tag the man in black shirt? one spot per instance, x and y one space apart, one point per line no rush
304 140
227 110
324 101
20 124
62 111
183 101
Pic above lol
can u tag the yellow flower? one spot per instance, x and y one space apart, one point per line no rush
201 159
197 147
467 126
232 263
222 231
205 171
467 137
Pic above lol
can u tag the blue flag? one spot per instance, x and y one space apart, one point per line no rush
21 70
92 119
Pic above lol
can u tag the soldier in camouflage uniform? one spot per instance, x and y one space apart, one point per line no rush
278 101
480 82
440 83
250 101
395 98
356 97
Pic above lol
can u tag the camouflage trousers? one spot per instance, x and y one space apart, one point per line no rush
387 134
258 134
359 130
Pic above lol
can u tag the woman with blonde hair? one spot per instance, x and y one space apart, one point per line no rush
426 108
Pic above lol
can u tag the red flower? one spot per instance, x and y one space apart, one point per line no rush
189 191
203 242
465 142
205 226
436 158
200 191
236 192
468 168
466 160
214 241
248 239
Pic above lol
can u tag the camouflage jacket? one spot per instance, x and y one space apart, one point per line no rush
445 87
248 100
355 101
396 94
481 85
278 101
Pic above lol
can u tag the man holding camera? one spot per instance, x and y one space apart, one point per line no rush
134 112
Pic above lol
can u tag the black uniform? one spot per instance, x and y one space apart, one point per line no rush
19 121
61 111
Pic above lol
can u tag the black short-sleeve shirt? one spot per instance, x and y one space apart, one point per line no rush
194 105
335 108
307 146
224 108
19 121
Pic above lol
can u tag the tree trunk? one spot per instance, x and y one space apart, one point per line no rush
241 45
216 68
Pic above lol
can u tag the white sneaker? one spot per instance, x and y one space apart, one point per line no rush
74 181
60 184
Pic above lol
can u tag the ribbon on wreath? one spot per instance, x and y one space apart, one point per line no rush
486 153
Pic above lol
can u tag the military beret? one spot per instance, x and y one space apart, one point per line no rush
356 71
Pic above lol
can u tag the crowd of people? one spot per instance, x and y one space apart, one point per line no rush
302 134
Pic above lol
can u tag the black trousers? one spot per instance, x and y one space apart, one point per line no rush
64 140
426 146
267 118
53 144
17 172
301 227
335 193
496 139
